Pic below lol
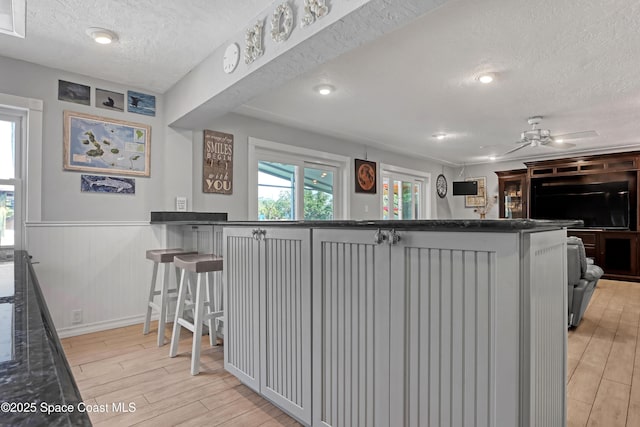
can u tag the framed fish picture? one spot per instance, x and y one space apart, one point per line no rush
102 145
107 184
141 103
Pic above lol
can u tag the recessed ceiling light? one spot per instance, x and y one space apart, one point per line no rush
440 136
486 78
559 141
324 89
492 158
101 35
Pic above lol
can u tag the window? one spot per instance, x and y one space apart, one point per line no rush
404 193
10 143
295 183
276 191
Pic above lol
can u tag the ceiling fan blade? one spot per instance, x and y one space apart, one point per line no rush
577 135
560 145
526 144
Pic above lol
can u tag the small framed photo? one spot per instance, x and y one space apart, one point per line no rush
74 92
141 103
109 100
365 176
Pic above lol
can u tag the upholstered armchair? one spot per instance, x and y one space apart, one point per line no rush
583 277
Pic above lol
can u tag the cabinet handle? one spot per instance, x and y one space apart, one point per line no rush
379 237
394 237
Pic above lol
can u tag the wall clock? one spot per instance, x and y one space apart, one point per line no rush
441 186
231 58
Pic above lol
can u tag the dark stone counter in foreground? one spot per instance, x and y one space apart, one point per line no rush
35 377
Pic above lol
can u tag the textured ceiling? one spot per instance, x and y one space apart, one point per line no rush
159 40
574 62
571 61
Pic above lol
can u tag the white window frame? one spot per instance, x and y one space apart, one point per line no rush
264 150
408 175
28 179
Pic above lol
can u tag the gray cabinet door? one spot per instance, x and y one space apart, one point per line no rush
454 329
350 329
242 305
285 313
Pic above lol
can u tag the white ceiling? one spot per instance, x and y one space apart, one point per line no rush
574 62
159 41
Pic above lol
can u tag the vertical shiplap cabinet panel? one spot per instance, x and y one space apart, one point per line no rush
544 308
350 329
285 338
445 333
241 267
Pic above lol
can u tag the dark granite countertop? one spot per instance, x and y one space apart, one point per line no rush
186 218
34 372
498 225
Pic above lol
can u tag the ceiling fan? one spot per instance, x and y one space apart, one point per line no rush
537 137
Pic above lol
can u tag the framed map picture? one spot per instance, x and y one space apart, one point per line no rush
365 176
101 145
481 198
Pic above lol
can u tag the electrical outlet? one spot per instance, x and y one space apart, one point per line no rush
76 317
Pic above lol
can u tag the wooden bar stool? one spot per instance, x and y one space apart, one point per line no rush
164 257
200 265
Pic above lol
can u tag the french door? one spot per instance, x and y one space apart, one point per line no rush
402 196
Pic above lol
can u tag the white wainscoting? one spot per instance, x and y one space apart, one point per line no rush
99 268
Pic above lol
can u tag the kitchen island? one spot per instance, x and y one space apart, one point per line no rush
400 323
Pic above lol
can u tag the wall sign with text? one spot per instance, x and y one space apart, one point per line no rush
218 163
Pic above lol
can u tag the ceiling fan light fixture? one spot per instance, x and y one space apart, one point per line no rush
439 136
102 35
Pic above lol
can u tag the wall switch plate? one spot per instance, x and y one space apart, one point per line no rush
181 204
76 317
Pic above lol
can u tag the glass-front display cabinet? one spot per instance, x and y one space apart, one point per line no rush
512 187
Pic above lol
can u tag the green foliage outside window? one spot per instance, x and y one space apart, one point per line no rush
317 206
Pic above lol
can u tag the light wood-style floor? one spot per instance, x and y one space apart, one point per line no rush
122 365
604 359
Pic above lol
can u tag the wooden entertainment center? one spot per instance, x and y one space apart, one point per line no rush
615 250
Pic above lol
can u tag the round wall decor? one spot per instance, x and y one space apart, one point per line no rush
441 185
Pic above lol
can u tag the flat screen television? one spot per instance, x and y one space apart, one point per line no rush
599 205
465 188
